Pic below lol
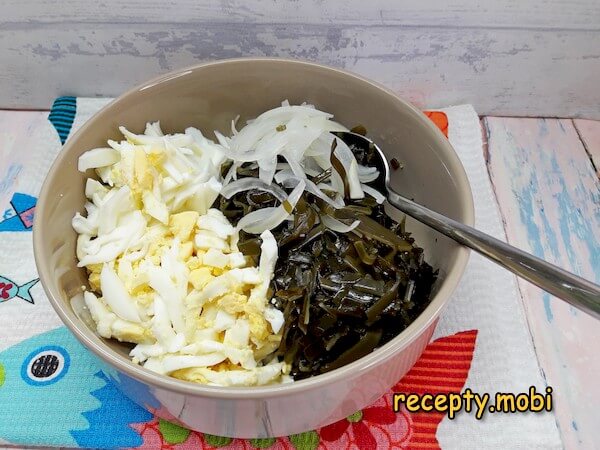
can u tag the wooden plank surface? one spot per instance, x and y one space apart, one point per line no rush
16 127
549 198
548 14
589 133
507 57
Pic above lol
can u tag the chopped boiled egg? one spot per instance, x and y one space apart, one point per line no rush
182 224
164 268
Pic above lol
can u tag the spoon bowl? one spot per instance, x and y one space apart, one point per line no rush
576 291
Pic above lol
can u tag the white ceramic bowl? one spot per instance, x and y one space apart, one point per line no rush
208 96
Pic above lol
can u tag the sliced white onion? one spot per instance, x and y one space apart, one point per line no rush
224 141
208 147
286 112
311 167
234 122
288 179
249 183
283 175
300 133
268 218
266 169
336 225
248 145
263 219
288 128
92 209
367 174
346 157
378 196
295 165
320 150
337 183
313 189
231 173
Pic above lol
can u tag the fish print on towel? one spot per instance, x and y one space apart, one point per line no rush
52 384
10 290
19 216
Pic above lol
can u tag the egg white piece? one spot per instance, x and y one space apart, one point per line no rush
166 266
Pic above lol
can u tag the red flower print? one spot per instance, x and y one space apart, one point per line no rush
361 425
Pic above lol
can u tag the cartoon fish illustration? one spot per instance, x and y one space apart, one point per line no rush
54 392
19 217
50 382
9 289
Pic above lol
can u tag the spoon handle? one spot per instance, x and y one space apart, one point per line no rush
575 290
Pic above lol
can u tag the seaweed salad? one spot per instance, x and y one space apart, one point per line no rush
344 290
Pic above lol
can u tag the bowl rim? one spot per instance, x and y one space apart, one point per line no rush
350 371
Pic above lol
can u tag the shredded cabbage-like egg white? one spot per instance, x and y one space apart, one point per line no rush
164 268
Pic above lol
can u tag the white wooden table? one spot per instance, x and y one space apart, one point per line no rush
544 173
546 179
514 57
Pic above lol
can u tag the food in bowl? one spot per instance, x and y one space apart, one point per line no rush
262 258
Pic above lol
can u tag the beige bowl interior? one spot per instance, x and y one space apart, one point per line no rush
209 97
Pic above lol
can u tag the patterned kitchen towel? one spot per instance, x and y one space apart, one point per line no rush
54 393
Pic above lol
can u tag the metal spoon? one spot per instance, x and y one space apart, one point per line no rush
575 290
